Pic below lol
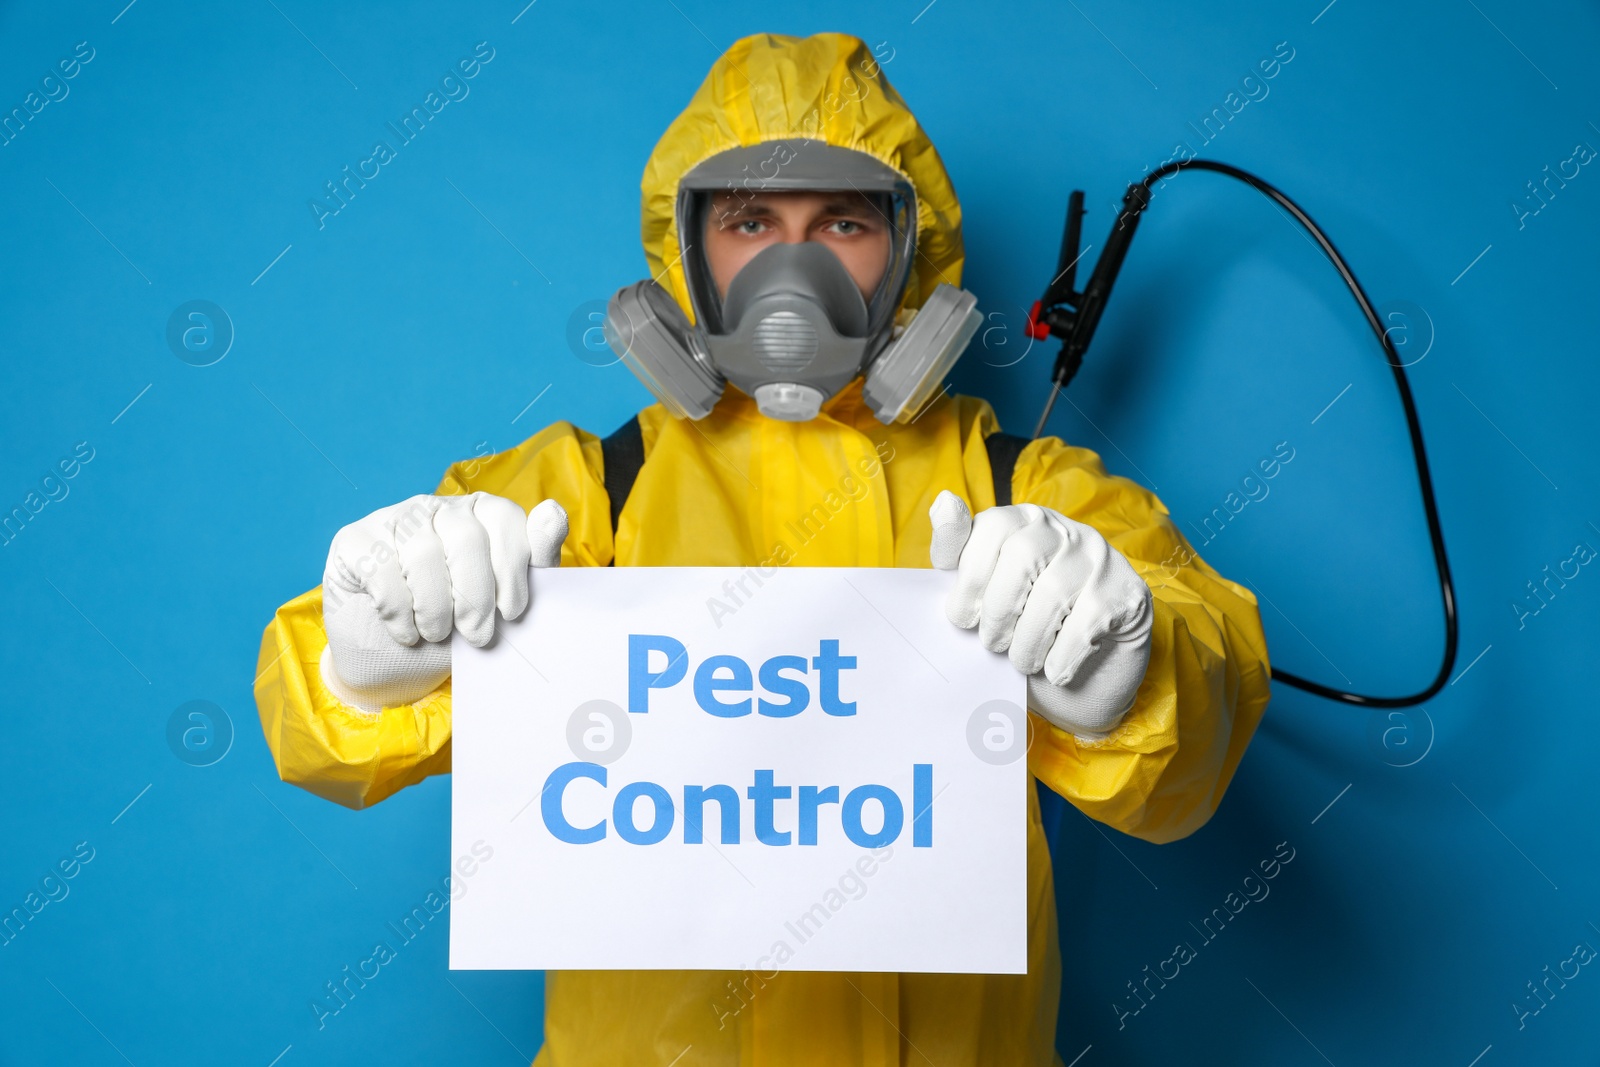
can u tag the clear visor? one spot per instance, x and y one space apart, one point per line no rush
732 186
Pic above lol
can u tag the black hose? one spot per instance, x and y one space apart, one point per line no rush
1136 201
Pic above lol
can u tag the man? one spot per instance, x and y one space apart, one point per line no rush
799 425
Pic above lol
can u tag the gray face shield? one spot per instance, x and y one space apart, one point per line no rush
794 329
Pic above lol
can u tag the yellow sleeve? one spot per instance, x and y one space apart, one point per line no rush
1161 774
357 758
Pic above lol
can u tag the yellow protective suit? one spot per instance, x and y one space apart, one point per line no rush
736 489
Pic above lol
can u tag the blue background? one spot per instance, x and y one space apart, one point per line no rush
1457 857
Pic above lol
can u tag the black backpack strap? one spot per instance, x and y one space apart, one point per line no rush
623 455
1004 448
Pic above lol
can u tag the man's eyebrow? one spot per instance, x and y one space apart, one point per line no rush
728 206
851 206
729 203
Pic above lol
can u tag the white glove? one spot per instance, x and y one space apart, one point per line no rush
398 581
1069 607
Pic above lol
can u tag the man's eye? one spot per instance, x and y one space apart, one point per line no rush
846 227
751 226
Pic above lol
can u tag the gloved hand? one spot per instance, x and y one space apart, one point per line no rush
1069 607
400 579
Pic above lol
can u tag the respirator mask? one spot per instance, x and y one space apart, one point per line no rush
794 328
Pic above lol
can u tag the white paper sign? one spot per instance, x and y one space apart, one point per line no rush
707 768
